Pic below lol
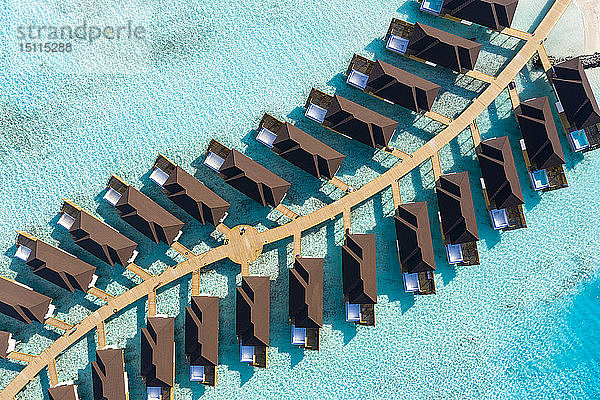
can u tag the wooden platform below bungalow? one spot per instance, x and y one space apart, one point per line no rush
218 149
360 64
367 315
164 164
260 357
319 98
400 28
426 283
312 339
470 254
270 123
557 178
516 218
210 375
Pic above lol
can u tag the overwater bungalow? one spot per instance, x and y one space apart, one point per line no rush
493 14
158 357
7 344
577 107
23 303
97 237
188 192
252 319
55 265
246 175
350 119
65 391
500 183
108 375
392 84
202 339
359 278
432 46
306 301
299 148
540 145
415 248
142 213
457 218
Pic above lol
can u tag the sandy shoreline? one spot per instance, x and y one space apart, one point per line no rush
591 16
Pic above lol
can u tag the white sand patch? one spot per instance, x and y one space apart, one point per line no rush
591 16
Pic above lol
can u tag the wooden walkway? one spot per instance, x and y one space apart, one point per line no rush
442 119
437 168
101 335
243 246
398 154
52 373
480 76
99 293
57 323
516 33
297 244
545 60
18 356
346 216
152 303
338 183
475 133
196 282
286 211
142 273
396 194
514 95
181 249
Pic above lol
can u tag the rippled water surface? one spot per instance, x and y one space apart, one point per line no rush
522 325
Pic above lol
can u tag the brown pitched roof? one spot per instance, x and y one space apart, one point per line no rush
252 311
499 173
358 269
63 392
56 265
413 235
495 14
139 211
101 240
194 197
254 180
539 133
4 338
443 48
575 94
401 87
306 152
306 292
359 123
202 330
21 303
108 375
456 208
158 352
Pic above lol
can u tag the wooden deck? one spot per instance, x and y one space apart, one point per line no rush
99 293
475 133
343 186
101 335
480 76
181 249
286 211
297 244
437 168
196 282
152 303
396 194
142 273
514 95
239 247
442 119
53 373
57 323
545 60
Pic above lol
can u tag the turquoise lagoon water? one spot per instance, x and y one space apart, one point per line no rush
522 325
